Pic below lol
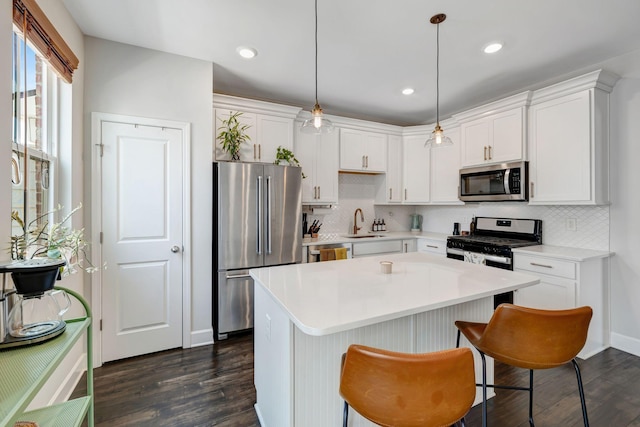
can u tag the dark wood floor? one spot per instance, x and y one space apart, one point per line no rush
213 386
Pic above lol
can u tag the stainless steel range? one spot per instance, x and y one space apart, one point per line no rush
492 243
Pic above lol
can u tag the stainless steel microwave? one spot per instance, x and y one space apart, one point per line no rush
494 183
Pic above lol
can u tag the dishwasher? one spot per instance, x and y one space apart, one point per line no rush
313 251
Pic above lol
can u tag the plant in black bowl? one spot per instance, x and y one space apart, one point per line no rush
46 251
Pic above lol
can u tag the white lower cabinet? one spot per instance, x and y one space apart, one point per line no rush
409 245
378 247
434 246
568 284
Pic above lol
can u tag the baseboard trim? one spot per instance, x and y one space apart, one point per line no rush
625 343
201 337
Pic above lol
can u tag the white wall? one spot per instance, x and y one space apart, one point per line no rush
625 208
6 25
129 80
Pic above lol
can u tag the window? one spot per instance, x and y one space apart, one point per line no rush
35 115
42 64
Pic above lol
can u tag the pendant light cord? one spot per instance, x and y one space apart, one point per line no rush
437 74
316 36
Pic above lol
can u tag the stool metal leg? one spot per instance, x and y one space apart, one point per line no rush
581 390
484 390
345 414
531 398
458 339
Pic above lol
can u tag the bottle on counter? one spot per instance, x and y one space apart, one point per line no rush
472 226
384 226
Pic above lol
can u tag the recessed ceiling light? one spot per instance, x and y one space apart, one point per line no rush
492 47
246 52
407 91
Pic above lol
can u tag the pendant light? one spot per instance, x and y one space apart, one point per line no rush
438 138
317 124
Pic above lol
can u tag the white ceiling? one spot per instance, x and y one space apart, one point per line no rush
369 50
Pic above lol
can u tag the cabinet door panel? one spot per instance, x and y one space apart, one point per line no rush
272 133
416 170
506 144
560 151
305 150
550 294
327 162
376 152
393 188
352 148
445 167
475 137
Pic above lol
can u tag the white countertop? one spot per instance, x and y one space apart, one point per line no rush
328 297
380 235
562 252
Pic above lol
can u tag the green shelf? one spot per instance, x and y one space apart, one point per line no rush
67 414
24 370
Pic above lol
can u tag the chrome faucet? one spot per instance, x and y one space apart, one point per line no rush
355 220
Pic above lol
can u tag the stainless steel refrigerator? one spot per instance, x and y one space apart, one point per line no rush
257 223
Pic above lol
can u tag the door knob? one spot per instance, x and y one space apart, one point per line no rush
175 249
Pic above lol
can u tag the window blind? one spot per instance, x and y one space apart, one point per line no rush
44 37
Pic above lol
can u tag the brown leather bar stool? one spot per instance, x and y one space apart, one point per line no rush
531 339
404 390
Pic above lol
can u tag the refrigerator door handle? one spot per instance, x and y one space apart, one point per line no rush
259 217
237 276
268 225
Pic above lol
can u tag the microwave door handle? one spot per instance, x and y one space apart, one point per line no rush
507 173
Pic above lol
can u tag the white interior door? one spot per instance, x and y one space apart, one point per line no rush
142 172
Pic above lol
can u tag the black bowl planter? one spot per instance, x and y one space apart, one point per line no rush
35 276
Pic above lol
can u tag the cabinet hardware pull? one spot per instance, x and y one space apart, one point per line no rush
315 193
254 151
431 246
390 193
531 195
259 151
489 152
362 162
406 248
485 152
318 192
540 265
366 161
405 194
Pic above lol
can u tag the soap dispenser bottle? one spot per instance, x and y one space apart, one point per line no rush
472 226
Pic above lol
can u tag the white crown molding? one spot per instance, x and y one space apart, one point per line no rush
233 103
599 79
505 104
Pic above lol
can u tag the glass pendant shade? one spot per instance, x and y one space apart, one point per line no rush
438 138
317 123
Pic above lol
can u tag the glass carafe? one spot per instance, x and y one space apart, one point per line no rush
32 316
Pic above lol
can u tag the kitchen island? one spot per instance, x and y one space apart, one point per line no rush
306 315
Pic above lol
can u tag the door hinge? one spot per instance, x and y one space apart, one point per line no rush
101 237
100 324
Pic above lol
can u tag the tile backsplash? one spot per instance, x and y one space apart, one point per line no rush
358 191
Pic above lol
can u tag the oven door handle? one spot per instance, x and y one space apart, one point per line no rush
492 258
317 251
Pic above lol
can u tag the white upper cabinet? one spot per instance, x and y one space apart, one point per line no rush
318 156
362 151
270 126
494 133
445 170
569 141
389 185
416 167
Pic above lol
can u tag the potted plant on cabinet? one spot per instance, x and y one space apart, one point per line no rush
232 135
286 155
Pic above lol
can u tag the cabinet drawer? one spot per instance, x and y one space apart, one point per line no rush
552 267
433 246
377 248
